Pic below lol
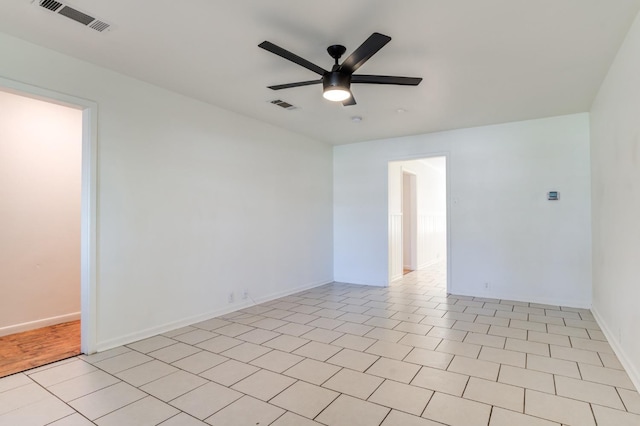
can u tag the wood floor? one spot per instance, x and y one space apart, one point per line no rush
22 351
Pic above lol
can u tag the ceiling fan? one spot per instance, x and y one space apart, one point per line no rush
337 82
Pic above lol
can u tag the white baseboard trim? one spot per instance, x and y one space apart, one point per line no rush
357 282
394 278
32 325
518 298
154 331
625 360
285 293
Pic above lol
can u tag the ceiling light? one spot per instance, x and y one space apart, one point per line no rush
336 86
401 110
336 94
356 119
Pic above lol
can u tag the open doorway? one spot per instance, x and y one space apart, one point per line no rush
418 206
47 181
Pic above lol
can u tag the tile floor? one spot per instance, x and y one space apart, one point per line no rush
408 355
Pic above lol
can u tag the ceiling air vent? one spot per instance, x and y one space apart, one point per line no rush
51 5
99 25
73 13
283 104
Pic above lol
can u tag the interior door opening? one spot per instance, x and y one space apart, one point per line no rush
48 163
40 159
418 212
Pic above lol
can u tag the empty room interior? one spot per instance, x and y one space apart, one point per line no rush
341 213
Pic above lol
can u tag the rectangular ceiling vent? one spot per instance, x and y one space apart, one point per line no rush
51 5
74 14
283 104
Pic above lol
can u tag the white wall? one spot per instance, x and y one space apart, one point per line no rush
503 230
615 164
193 201
40 148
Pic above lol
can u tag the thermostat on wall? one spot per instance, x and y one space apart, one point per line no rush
553 195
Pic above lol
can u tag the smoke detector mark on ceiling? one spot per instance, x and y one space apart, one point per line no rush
74 14
283 104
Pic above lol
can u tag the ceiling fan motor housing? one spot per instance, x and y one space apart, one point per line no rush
336 79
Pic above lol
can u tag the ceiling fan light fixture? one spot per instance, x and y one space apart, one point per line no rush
336 86
336 94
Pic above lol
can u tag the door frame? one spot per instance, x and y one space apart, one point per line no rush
413 246
88 203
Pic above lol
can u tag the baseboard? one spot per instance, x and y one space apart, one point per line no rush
154 331
285 293
569 303
632 370
352 281
394 278
32 325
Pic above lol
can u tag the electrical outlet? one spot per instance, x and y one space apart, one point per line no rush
487 286
245 294
231 297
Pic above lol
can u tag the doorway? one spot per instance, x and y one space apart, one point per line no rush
40 160
84 238
418 217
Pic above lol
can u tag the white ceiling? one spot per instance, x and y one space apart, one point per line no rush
483 61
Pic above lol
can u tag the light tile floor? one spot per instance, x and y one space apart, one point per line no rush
407 355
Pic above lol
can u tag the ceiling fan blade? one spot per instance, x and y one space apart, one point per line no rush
386 79
266 45
349 101
366 50
289 85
